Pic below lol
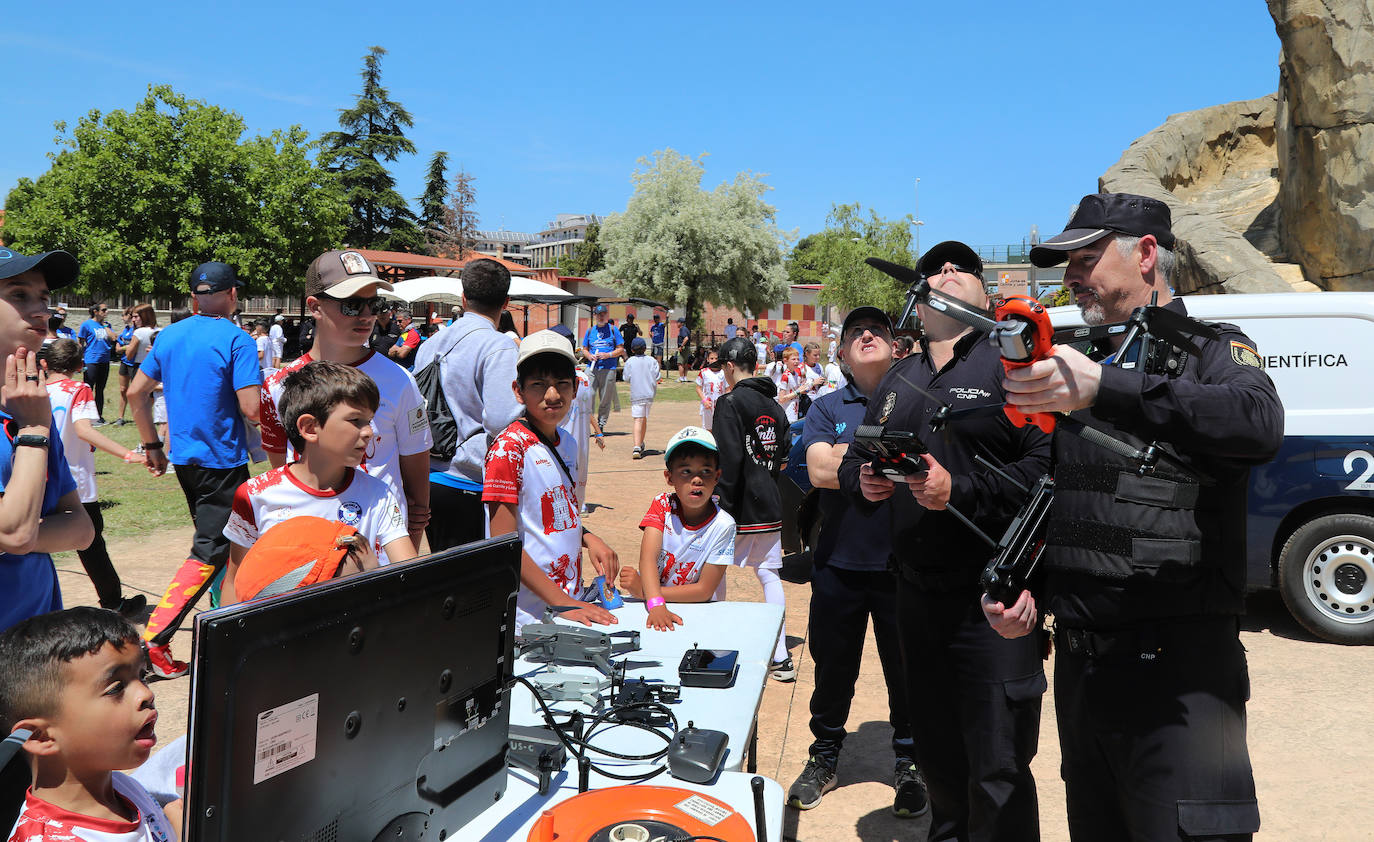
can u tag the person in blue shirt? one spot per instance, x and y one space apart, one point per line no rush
851 581
97 340
62 331
211 382
604 346
658 336
126 366
40 507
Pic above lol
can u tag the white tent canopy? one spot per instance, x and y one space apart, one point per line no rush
450 290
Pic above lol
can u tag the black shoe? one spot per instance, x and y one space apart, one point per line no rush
911 800
811 785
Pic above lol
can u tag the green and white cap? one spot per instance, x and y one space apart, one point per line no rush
695 435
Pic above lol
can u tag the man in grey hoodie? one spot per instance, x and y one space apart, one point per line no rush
477 367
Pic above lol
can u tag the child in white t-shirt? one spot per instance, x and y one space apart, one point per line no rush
710 386
642 373
688 540
74 415
529 488
326 409
80 691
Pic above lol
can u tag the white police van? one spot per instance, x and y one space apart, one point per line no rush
1311 509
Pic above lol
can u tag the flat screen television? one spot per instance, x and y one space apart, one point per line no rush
366 708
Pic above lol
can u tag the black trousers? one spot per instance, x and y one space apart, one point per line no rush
457 517
209 495
841 603
96 375
1154 747
975 714
96 560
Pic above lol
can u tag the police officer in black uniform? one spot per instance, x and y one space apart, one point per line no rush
974 697
1146 566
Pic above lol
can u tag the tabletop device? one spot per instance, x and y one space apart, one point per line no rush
708 667
555 643
697 754
370 707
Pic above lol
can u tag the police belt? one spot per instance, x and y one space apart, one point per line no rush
940 578
1146 641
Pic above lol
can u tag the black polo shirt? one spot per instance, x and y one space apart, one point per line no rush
935 540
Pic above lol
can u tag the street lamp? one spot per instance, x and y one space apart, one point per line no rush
917 221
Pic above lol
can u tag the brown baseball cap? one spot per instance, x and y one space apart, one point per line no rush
342 274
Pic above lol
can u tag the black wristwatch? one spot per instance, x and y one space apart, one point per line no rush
152 445
31 440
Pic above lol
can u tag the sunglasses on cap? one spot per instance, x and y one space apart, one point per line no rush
354 306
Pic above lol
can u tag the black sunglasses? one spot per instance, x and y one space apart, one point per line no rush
354 306
859 330
956 267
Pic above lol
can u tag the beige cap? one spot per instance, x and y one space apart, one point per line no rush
342 274
544 342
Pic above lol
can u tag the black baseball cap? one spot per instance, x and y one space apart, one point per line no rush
1100 214
866 313
57 267
738 350
950 251
213 277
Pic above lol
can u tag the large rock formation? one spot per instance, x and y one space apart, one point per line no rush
1215 169
1325 138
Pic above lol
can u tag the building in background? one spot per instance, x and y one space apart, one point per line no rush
512 246
561 238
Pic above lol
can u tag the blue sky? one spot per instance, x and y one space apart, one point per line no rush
1007 112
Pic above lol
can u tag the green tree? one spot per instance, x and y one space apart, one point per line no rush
142 196
835 257
373 131
588 257
678 243
433 203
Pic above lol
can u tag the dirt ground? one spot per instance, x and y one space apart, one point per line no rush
1310 725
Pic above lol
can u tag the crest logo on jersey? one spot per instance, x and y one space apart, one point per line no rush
889 404
559 510
350 513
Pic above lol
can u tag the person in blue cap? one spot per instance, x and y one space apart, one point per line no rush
212 382
40 506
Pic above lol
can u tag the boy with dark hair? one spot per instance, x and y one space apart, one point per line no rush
326 409
529 488
688 541
75 679
753 440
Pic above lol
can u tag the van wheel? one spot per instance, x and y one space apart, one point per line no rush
1326 576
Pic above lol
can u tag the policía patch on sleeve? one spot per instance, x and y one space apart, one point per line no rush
1243 354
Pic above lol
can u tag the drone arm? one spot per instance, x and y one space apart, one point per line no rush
984 492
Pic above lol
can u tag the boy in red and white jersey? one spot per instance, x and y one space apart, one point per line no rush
75 682
529 488
341 290
326 409
688 540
